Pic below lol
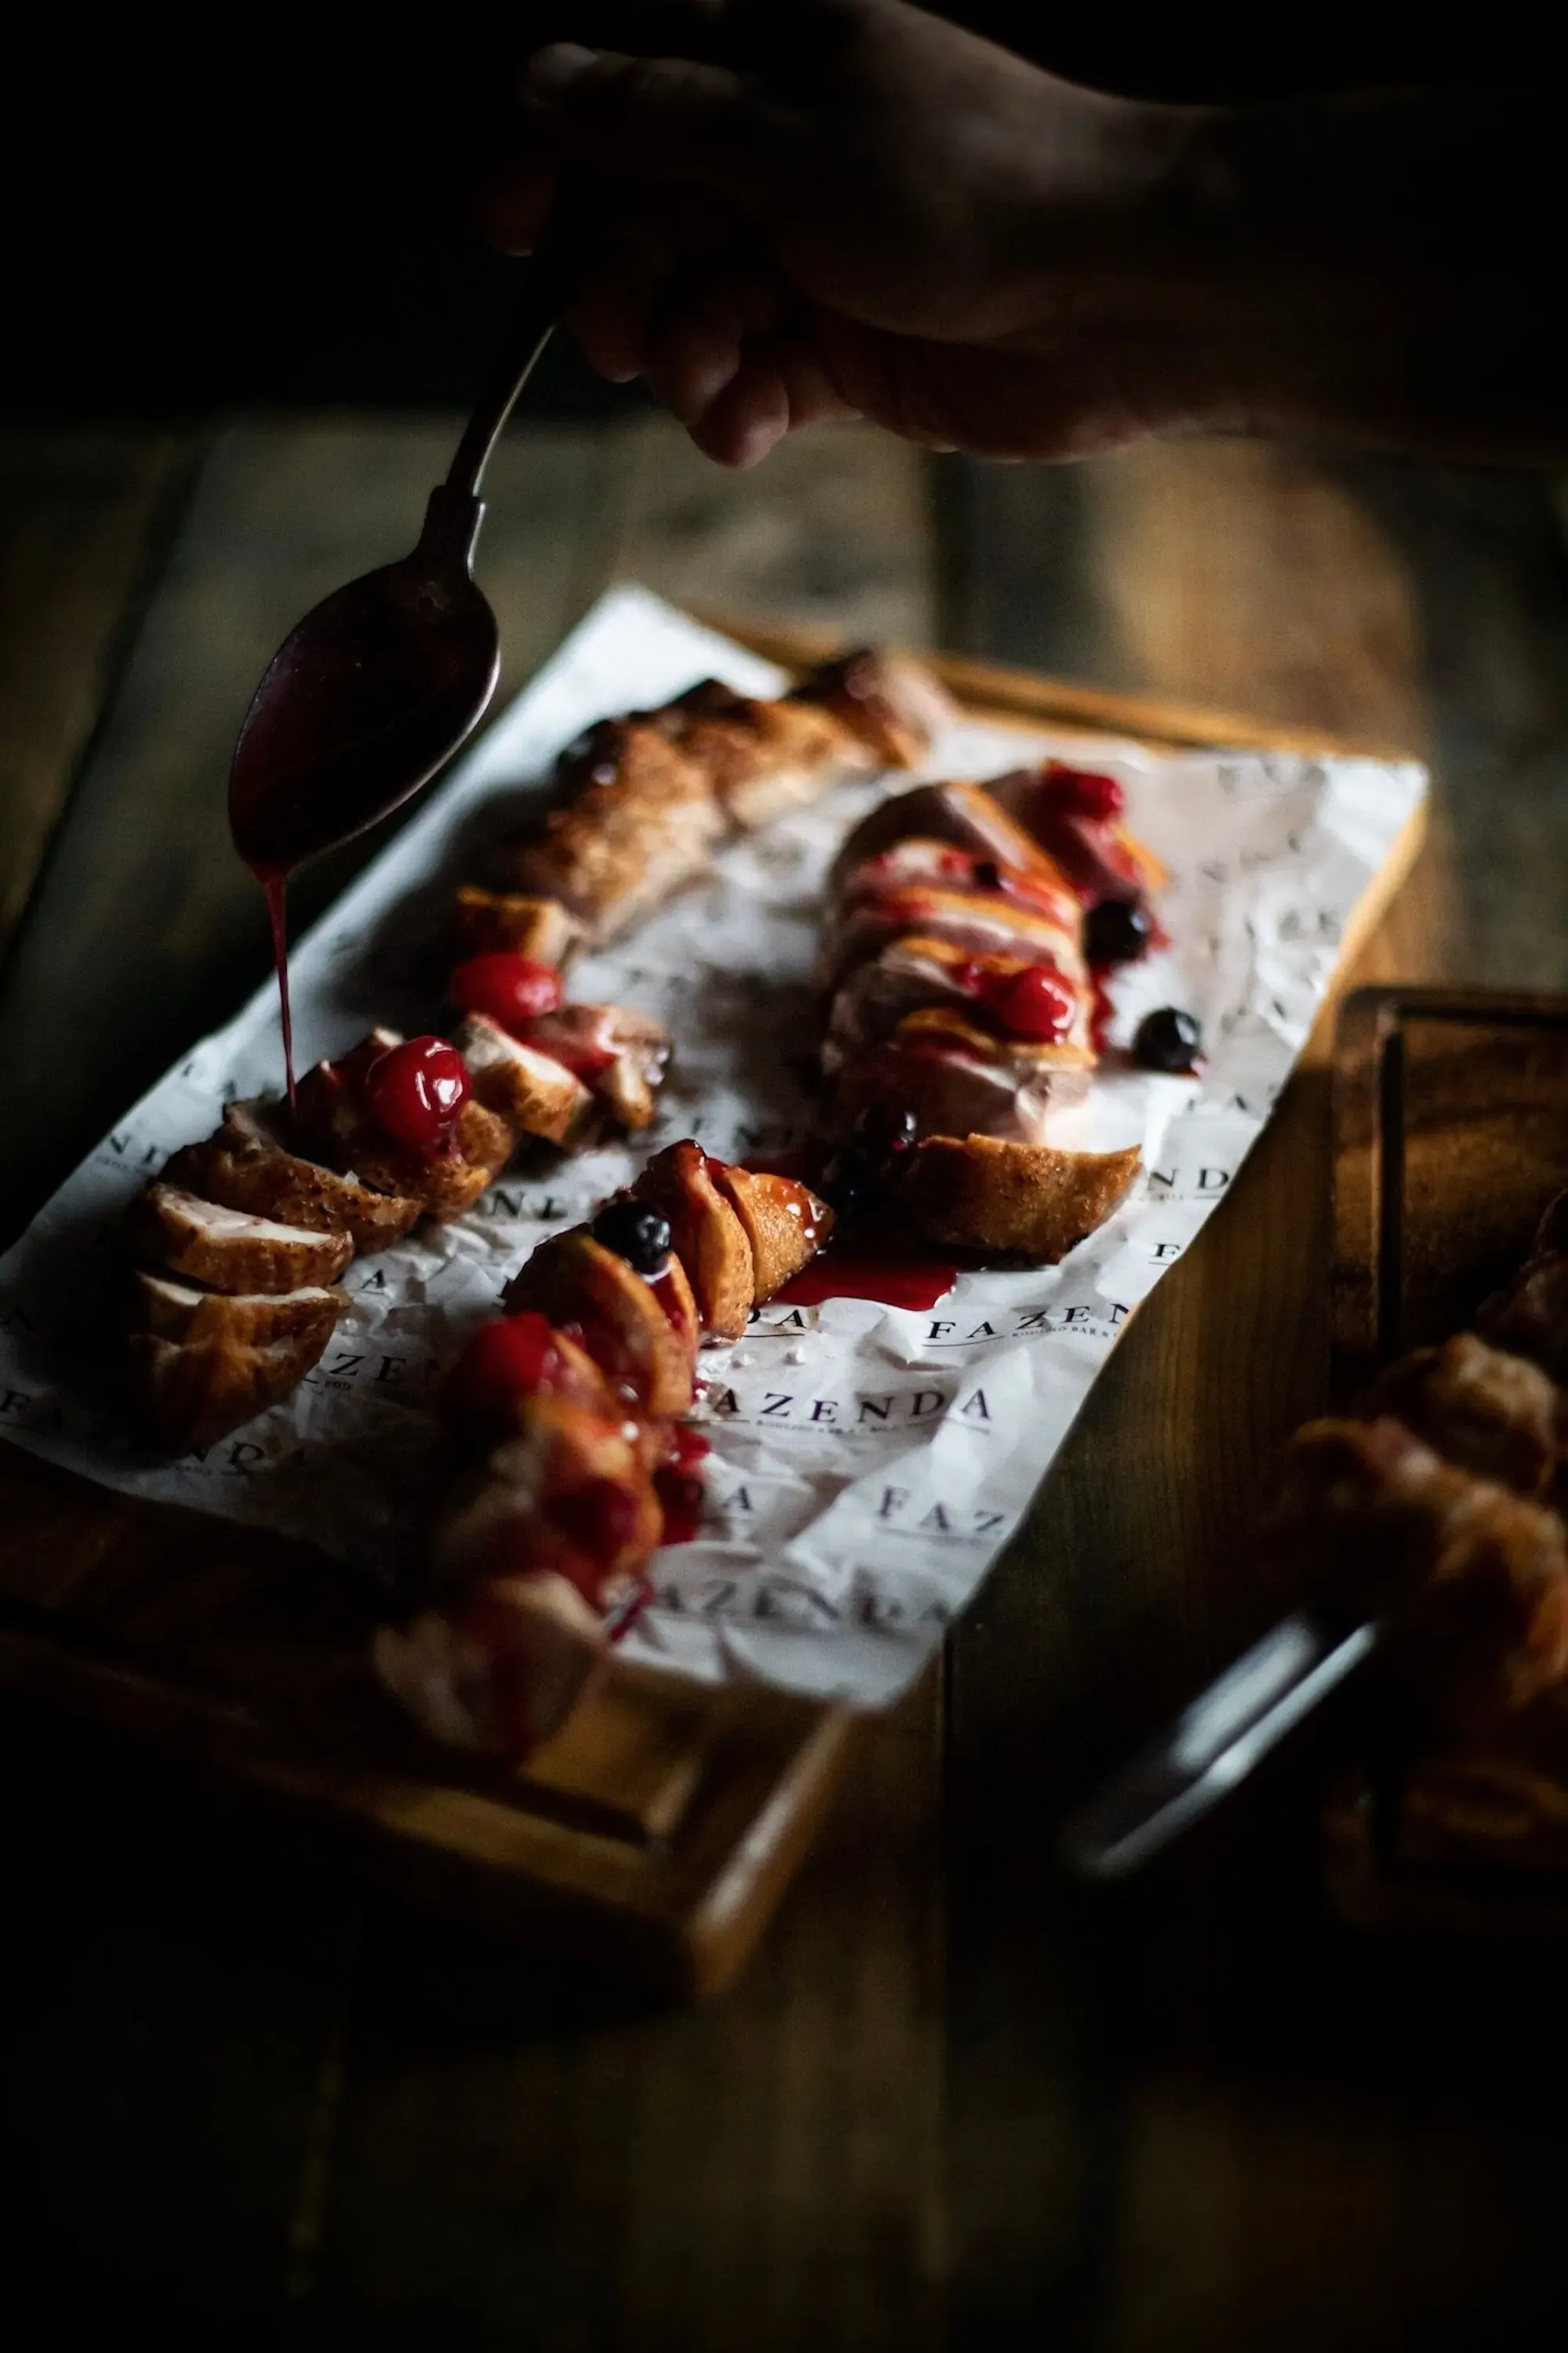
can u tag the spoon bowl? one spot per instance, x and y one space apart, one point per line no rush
366 697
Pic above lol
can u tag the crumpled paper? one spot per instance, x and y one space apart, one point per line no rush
868 1463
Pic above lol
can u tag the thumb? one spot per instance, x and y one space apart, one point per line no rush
651 118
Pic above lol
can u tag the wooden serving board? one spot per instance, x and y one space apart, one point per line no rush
655 1834
1450 1136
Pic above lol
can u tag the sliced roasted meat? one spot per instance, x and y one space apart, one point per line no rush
706 1234
592 1295
641 822
963 817
488 920
230 1250
977 923
918 864
784 1222
336 1116
1077 818
203 1361
979 1193
533 1092
619 1054
503 1673
894 704
764 758
181 1311
247 1165
1480 1408
915 974
569 1495
956 1085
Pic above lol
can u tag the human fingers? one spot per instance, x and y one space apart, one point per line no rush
779 388
662 119
709 315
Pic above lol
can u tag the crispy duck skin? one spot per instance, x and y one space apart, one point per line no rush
230 1250
1100 856
543 1531
491 921
648 797
246 1166
963 817
531 1092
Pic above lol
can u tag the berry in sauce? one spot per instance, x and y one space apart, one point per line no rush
515 1356
1116 932
511 989
1082 793
1036 1004
415 1090
884 1130
849 1181
1167 1041
638 1235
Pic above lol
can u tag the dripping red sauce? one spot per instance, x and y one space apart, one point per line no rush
274 881
668 1298
1104 1012
891 1279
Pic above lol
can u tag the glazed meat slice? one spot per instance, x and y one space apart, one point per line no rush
203 1363
1530 1318
978 923
917 863
534 1093
784 1223
964 816
1481 1408
619 1054
1096 851
979 1193
764 758
1375 1523
643 820
644 1335
488 920
336 1118
230 1250
958 1088
916 974
894 704
569 1495
706 1234
502 1674
247 1165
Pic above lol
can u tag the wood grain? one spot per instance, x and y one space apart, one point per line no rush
81 514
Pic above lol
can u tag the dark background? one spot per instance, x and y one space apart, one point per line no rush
263 206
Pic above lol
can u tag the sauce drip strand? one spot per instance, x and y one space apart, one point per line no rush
276 886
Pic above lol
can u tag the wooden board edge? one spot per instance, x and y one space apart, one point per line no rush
1027 695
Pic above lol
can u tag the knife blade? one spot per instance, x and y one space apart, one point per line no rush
1213 1745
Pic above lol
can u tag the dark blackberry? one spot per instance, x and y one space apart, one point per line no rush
1167 1041
1116 932
638 1235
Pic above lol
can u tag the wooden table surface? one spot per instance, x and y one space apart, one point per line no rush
954 2101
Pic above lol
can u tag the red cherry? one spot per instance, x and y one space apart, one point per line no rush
515 1356
511 989
600 1519
1083 793
969 976
416 1090
1036 1004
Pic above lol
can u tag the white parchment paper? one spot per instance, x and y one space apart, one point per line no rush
868 1463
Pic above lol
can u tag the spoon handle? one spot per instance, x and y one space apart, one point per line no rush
551 278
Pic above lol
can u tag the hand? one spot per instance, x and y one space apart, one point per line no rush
836 207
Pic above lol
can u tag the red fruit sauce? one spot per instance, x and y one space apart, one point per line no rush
416 1091
1082 793
600 1518
275 883
1036 1003
516 1356
1104 1012
891 1281
511 989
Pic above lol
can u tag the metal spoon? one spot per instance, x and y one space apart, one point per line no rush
379 684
